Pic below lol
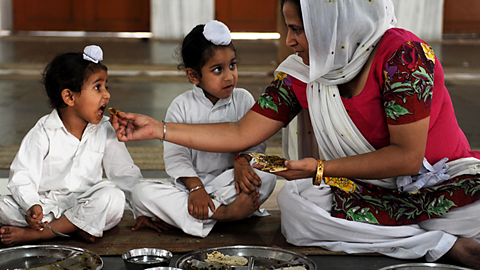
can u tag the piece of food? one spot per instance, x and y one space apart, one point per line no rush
218 257
271 163
113 111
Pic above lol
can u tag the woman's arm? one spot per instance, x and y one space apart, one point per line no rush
249 131
404 156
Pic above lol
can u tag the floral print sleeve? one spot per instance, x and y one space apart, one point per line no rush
408 83
279 101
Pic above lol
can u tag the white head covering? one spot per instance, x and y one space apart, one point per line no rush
341 35
217 33
93 53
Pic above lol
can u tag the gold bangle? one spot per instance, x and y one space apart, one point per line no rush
319 175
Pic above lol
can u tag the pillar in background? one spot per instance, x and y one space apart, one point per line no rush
174 19
422 17
5 15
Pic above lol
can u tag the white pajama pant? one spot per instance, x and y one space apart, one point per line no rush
306 221
170 203
97 210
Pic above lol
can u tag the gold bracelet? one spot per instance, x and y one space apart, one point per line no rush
317 180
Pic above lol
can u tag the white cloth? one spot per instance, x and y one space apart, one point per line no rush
64 175
93 53
169 201
341 36
217 33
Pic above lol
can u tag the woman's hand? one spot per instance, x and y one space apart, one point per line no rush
35 222
198 204
304 168
135 127
246 180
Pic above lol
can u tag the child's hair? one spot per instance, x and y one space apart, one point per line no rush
196 50
67 71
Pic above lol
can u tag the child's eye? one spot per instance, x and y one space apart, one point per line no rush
217 69
97 87
233 65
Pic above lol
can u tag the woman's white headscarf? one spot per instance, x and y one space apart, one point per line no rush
341 36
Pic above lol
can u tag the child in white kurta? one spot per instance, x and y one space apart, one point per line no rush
56 175
214 99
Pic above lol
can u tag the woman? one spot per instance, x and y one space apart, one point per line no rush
374 98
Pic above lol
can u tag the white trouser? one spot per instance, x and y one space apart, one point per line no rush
98 209
306 221
170 203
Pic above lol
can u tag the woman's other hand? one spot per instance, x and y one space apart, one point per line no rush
298 169
135 127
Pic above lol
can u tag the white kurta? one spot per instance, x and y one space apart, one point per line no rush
64 175
169 201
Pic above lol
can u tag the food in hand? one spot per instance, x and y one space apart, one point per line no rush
113 111
218 257
270 163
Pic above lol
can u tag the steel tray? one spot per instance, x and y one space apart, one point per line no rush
42 257
263 258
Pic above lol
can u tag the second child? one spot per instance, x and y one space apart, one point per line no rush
206 187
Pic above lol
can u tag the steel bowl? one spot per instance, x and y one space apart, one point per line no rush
424 266
143 258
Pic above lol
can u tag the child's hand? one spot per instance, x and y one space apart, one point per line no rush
198 204
35 222
246 180
156 224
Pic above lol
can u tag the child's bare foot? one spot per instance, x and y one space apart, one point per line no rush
13 236
85 236
243 206
466 251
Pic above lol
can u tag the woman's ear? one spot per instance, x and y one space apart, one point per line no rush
68 97
192 76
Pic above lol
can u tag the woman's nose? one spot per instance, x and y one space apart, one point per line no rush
290 40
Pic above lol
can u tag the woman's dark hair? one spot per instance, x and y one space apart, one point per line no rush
196 50
67 71
296 3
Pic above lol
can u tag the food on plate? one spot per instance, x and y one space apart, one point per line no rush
293 268
271 163
113 111
218 257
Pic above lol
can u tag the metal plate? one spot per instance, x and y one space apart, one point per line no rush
264 257
424 266
40 257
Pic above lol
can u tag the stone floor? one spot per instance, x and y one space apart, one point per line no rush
144 79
